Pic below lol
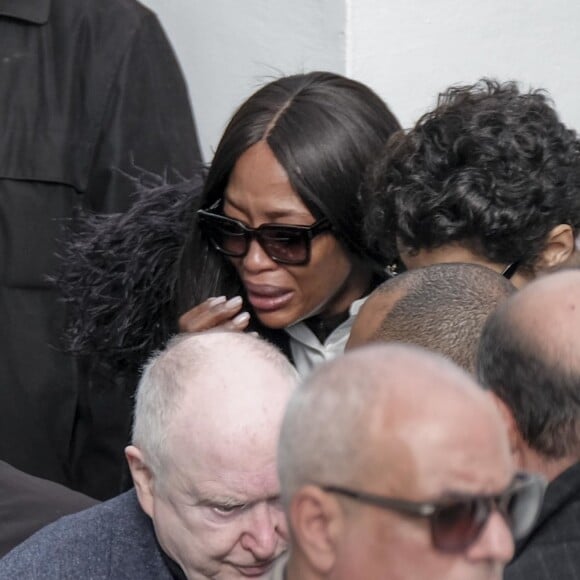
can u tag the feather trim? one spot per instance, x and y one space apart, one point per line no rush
120 274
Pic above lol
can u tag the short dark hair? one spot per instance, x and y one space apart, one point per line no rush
541 391
324 129
490 167
443 308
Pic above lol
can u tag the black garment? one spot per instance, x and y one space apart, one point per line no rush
29 503
552 550
85 87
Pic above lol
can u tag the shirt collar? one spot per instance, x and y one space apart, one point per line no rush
308 352
34 11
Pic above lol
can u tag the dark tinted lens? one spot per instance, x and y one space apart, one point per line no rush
456 526
284 244
228 236
521 507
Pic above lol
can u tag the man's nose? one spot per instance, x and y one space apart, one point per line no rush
495 542
266 533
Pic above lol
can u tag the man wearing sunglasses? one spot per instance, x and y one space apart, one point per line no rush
529 357
394 465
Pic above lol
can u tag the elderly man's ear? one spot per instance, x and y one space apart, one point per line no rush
317 521
142 478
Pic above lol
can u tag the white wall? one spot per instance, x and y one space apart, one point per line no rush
228 48
407 50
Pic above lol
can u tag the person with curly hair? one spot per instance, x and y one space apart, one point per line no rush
490 176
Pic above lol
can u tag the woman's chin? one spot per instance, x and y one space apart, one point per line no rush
277 319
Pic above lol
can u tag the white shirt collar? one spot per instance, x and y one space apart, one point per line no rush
308 351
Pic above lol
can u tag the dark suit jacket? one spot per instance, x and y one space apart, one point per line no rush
112 541
84 85
552 550
28 503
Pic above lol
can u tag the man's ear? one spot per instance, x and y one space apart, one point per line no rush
316 521
142 478
559 248
514 437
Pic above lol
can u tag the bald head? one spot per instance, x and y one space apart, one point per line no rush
216 388
399 423
442 308
364 411
529 356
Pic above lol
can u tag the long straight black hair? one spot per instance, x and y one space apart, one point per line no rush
323 129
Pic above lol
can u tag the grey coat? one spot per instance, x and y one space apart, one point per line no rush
112 541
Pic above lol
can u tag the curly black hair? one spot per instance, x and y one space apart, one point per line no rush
490 168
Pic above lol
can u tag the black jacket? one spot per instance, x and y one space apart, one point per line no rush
86 86
552 550
28 503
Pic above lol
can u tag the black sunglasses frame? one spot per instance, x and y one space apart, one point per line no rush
484 506
210 220
510 269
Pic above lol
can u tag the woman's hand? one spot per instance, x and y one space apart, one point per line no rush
215 312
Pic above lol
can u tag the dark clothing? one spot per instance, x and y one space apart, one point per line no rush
142 253
85 86
28 503
112 541
552 550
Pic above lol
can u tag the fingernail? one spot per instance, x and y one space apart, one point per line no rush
217 300
234 302
241 318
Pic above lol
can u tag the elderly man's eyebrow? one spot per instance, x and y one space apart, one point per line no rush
453 494
223 501
213 501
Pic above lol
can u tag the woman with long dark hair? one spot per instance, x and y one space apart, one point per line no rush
279 245
270 240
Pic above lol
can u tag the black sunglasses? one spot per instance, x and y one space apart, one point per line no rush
284 244
456 523
510 269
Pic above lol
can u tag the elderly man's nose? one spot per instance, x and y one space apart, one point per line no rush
266 532
495 542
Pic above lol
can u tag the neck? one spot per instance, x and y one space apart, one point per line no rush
358 283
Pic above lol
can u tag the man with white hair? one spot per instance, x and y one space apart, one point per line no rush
395 465
203 460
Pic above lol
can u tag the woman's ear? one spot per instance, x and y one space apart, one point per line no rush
316 521
560 246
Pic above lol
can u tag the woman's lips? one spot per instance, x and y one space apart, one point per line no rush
266 298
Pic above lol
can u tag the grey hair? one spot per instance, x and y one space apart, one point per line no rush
170 373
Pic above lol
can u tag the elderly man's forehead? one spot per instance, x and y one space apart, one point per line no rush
230 462
430 418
